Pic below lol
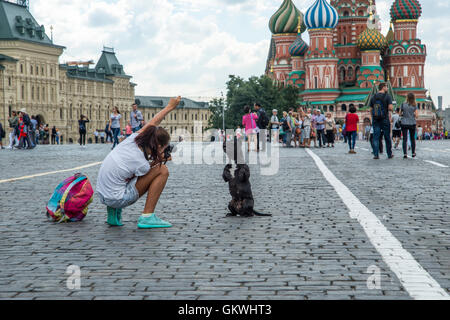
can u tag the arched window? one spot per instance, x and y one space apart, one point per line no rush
344 107
361 13
331 108
346 13
342 74
350 72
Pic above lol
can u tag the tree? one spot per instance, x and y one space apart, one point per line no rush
261 89
215 107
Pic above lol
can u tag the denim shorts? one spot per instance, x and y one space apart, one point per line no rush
130 196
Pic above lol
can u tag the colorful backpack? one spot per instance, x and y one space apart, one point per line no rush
71 199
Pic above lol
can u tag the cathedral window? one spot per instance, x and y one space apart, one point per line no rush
346 13
344 107
399 82
316 83
350 72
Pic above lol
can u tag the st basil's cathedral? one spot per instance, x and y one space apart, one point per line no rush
348 56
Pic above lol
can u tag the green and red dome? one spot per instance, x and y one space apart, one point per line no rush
286 19
406 10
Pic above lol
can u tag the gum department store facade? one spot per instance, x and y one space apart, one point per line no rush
348 56
31 77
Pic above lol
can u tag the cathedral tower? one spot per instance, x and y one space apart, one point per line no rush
321 60
406 55
283 26
353 16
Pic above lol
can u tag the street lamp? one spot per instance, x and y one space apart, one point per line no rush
223 112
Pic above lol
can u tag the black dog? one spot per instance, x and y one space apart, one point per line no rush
242 202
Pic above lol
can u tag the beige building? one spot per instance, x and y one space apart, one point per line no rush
189 120
31 77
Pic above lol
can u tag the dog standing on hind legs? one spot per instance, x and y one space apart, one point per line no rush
242 202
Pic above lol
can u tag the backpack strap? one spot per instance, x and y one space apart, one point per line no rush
66 193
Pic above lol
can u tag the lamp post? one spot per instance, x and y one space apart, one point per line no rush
223 112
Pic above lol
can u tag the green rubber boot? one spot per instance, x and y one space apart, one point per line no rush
114 217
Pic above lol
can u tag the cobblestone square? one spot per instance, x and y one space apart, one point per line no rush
311 248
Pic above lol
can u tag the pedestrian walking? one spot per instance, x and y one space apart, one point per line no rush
82 130
320 128
128 130
54 135
380 106
409 114
96 134
274 126
136 119
351 127
306 132
249 123
115 124
33 128
102 137
262 122
134 168
57 136
396 128
2 136
26 129
330 127
297 129
13 121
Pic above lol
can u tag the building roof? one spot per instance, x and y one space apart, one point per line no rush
161 102
17 23
110 64
7 58
84 73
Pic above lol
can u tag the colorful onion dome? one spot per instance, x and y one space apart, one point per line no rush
406 9
285 19
321 15
371 39
299 47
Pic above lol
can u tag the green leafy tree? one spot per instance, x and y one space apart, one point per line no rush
215 107
261 89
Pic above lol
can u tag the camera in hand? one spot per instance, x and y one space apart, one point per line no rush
168 151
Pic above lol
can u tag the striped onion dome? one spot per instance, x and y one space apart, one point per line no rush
285 20
406 9
299 47
371 39
321 15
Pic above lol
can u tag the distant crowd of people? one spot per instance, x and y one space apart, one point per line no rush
305 127
25 132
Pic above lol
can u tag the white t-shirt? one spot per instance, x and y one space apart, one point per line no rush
124 163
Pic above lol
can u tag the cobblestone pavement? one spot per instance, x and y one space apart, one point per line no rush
309 249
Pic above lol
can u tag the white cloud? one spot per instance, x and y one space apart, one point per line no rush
187 46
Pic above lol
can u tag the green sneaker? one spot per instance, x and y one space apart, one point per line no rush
114 217
152 222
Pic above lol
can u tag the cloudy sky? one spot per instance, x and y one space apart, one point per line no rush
189 47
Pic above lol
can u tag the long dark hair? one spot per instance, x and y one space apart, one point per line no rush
150 139
411 99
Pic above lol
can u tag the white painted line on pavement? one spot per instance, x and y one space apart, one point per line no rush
436 164
414 278
52 172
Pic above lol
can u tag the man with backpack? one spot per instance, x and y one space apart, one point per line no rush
380 106
262 123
